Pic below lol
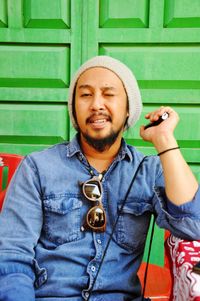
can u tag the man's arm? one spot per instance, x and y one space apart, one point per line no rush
16 287
180 183
20 227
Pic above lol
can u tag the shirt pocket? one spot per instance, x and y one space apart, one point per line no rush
62 219
133 224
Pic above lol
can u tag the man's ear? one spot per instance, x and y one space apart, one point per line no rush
73 103
127 116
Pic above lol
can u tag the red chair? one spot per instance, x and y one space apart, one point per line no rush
159 279
8 165
183 255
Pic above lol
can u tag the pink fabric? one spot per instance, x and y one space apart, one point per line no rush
184 254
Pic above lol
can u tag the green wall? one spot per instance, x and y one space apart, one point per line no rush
43 42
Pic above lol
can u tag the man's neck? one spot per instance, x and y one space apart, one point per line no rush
100 160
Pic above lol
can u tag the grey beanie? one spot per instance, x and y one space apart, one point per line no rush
127 78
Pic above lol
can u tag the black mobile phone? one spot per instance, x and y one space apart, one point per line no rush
160 119
196 268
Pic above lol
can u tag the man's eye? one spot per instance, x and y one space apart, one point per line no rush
109 94
85 94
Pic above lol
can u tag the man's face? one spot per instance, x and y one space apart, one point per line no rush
100 105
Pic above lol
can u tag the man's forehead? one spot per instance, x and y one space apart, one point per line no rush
106 77
98 68
88 86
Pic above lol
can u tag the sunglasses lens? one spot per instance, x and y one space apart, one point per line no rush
92 190
96 217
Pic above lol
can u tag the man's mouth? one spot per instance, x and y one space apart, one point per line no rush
98 120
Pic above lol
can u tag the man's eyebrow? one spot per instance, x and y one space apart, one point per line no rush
108 88
84 86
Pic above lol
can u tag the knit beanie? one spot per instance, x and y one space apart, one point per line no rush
125 75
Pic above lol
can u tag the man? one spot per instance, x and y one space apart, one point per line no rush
64 202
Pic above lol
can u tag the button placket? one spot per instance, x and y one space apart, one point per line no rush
98 240
93 265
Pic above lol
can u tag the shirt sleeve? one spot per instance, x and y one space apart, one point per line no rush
20 226
191 208
16 287
182 221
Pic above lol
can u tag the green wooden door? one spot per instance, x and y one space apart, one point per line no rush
42 43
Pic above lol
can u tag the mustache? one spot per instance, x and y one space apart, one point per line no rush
93 116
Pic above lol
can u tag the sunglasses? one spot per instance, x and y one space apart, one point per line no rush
96 216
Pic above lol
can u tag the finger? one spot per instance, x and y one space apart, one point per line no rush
142 130
154 116
166 109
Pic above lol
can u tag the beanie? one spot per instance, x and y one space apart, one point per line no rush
125 75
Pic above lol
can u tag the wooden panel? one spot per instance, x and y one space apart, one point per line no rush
182 13
33 67
35 21
47 13
126 13
167 64
173 21
32 125
170 69
3 14
33 94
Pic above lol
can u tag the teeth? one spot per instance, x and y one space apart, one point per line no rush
99 121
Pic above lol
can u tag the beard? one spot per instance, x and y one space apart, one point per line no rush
102 144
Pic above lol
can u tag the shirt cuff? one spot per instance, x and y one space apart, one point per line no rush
191 208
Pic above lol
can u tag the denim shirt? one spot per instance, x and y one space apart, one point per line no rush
46 256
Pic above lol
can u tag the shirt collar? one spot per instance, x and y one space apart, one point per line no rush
124 152
73 147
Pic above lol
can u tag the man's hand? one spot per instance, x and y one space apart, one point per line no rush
165 129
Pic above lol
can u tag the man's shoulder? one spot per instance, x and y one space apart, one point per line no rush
51 149
134 153
47 154
138 155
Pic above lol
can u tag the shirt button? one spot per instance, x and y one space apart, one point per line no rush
87 295
99 241
93 268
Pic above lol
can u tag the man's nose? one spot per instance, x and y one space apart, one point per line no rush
98 102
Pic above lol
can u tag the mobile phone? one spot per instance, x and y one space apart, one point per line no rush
196 268
160 119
